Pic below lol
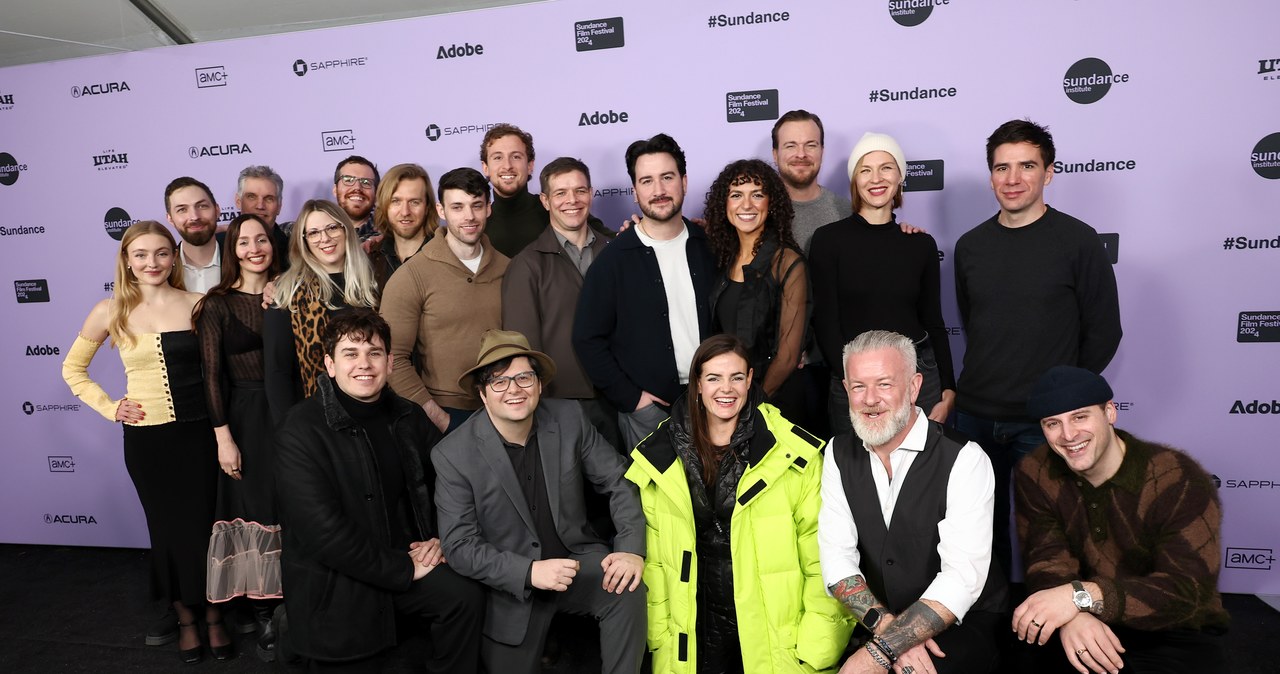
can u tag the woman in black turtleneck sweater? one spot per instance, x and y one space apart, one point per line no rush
867 274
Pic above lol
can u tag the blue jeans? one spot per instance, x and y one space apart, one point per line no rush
1005 443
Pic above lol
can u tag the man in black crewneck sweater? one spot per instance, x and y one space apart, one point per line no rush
355 496
1035 289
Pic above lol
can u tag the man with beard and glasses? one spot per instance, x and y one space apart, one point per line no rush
905 527
506 159
798 142
643 310
355 181
193 211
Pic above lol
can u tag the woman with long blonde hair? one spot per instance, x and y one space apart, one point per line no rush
169 447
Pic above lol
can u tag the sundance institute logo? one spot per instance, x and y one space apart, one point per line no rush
1265 158
913 12
1088 80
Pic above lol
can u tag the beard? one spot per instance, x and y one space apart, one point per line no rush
878 432
798 177
670 210
199 238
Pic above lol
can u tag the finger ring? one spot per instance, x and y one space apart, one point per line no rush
1081 651
1033 622
908 669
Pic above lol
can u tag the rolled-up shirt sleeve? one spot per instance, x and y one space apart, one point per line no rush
837 532
964 545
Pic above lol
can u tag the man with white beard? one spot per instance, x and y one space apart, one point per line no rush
904 531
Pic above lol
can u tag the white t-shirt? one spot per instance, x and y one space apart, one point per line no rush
682 307
474 263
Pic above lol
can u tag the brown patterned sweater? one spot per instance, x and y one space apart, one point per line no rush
1149 536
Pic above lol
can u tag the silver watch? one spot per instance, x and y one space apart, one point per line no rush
1083 600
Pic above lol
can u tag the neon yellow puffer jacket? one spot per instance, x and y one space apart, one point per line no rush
787 624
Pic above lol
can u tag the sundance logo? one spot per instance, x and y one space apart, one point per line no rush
62 464
116 221
597 118
458 51
1256 407
201 151
99 89
1258 326
751 106
10 169
111 161
337 141
1265 158
31 290
1088 80
1095 166
21 230
69 519
598 34
913 12
212 76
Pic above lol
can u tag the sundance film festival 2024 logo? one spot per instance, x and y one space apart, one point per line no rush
598 34
751 106
1089 79
29 291
1258 326
913 12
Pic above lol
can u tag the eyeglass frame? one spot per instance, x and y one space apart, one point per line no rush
507 380
333 229
350 180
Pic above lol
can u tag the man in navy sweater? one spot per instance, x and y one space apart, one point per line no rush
1035 289
643 308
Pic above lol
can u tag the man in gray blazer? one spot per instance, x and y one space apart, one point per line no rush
509 495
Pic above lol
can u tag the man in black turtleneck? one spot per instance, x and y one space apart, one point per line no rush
518 216
355 498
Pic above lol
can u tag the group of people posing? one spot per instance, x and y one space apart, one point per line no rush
733 440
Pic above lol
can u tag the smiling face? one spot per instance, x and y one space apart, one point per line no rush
882 394
877 178
568 200
195 215
326 240
150 259
253 248
1086 440
723 383
261 198
747 207
360 368
799 153
357 198
515 404
407 211
659 186
507 165
1018 177
464 215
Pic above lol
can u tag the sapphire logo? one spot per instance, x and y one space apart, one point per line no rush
9 169
31 290
751 106
338 141
433 132
213 76
29 408
436 132
201 151
116 221
614 192
1256 559
913 12
458 51
1258 326
21 230
925 175
598 34
62 464
69 519
110 160
1088 80
1256 407
299 67
99 89
597 118
1265 158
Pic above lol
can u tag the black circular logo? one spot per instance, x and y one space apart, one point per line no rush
433 132
8 169
75 92
28 408
48 519
299 67
116 221
1087 80
1265 157
910 12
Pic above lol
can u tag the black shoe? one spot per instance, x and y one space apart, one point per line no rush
266 631
163 630
280 625
190 656
224 652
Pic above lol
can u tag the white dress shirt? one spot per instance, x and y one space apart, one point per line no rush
201 279
964 545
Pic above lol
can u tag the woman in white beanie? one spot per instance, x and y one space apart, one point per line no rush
868 274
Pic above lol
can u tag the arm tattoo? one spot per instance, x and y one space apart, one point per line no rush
915 625
856 596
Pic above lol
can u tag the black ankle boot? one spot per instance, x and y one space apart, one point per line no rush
262 612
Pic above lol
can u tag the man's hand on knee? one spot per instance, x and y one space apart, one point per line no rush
622 570
554 574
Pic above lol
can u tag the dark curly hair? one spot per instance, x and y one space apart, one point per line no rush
777 225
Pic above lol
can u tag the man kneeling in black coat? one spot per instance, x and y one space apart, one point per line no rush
360 546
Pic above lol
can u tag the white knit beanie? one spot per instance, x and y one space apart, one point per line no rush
872 141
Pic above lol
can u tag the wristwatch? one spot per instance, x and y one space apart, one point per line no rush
1083 600
871 619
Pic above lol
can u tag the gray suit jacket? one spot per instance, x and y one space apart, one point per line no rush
486 529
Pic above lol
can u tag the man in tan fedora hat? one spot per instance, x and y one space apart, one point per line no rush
512 513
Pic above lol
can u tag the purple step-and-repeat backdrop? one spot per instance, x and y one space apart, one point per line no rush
1164 116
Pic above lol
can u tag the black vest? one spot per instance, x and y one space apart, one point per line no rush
900 562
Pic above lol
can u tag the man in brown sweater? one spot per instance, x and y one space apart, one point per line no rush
443 299
1120 538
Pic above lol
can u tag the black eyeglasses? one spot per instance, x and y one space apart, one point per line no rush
523 380
351 180
332 230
